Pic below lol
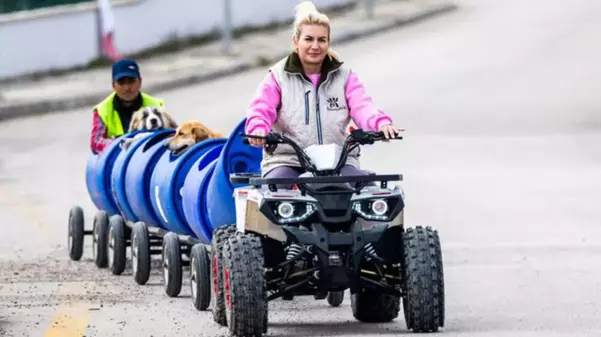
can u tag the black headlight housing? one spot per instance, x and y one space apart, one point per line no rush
379 208
278 211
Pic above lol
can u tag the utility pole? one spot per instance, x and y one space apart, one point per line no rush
227 26
99 32
369 8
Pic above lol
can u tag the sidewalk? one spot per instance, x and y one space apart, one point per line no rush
202 63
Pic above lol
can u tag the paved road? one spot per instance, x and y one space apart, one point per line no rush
502 155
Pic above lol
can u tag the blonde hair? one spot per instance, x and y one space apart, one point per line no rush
307 13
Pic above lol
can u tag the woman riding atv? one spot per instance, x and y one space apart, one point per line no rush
310 96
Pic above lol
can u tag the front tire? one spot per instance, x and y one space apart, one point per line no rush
218 304
244 285
424 305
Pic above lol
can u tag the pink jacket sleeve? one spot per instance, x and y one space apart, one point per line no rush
361 106
262 110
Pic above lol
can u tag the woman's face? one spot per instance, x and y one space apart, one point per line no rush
313 44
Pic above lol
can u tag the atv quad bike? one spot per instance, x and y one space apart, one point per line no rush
324 233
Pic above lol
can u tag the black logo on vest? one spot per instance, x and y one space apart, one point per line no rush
334 105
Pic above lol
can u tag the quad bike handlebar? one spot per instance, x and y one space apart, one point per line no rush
356 138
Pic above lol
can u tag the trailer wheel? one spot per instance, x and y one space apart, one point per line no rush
140 253
172 265
200 276
100 236
335 298
116 244
76 233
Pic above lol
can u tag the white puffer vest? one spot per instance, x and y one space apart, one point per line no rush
308 115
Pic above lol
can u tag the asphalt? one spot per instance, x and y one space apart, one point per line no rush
206 62
502 155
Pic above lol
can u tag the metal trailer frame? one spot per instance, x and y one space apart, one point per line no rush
111 235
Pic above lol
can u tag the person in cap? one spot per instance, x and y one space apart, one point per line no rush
112 116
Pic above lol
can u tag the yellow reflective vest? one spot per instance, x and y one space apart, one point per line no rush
111 118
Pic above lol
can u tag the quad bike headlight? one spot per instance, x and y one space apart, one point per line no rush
379 207
372 209
291 212
285 210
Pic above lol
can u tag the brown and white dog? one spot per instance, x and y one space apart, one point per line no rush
152 118
149 118
190 133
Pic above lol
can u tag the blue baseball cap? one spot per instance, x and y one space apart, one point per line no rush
125 68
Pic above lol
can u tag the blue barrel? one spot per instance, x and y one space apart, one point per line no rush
91 185
118 177
194 194
98 177
234 158
138 173
167 180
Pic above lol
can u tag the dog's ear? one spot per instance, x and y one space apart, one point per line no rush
200 133
135 122
169 121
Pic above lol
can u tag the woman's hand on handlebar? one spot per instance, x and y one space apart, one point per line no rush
390 131
257 141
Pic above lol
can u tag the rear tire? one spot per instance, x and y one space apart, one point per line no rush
200 276
244 285
375 306
172 265
335 298
76 233
424 305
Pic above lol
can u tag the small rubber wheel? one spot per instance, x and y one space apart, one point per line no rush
335 298
76 233
116 244
200 276
172 265
140 253
100 235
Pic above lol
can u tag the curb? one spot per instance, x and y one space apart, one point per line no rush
57 106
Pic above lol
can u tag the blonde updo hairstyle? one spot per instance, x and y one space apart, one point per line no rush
307 14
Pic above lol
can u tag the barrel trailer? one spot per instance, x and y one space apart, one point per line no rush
248 240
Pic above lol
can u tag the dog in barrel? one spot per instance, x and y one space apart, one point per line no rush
190 133
150 118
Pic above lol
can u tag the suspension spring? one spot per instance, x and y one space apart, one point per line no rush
370 252
293 251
